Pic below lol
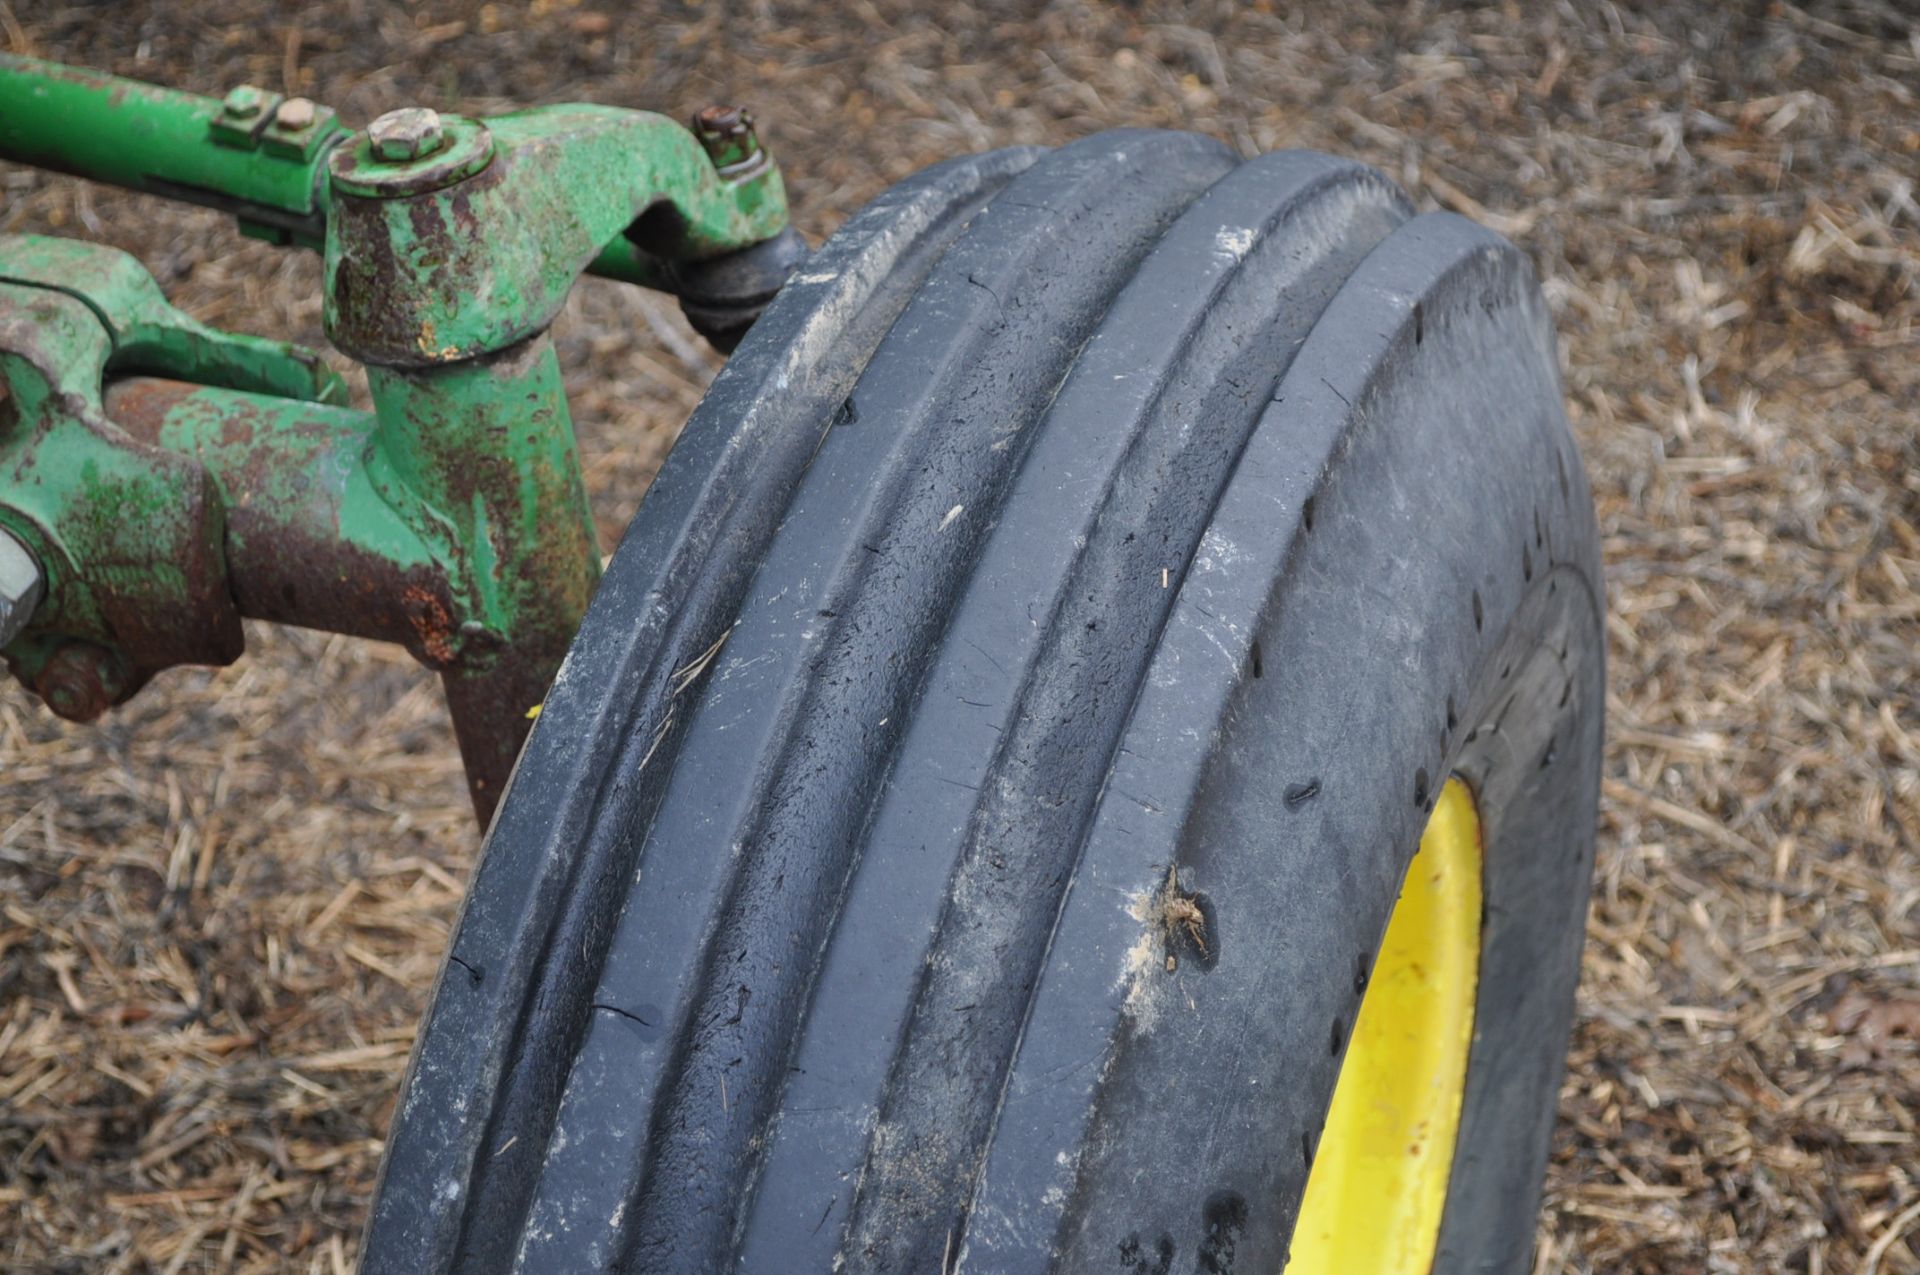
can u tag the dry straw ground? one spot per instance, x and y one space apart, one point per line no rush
221 907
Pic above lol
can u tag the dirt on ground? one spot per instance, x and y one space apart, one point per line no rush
221 906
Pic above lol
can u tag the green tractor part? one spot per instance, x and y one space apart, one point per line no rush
165 480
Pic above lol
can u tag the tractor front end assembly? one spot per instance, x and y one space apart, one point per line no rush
163 480
1086 758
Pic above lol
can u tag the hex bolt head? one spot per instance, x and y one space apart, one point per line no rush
243 102
413 132
719 121
21 587
728 135
295 114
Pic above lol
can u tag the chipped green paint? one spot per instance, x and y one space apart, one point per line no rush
486 446
120 528
127 536
170 478
579 171
421 276
146 334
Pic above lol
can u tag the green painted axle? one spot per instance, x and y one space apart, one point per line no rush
172 144
268 166
168 480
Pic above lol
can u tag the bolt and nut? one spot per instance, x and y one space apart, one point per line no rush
728 135
295 113
413 132
21 587
80 681
243 102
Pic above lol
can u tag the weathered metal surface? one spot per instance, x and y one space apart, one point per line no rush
487 447
423 270
728 135
145 332
263 158
452 521
80 680
309 541
412 132
169 479
404 154
344 521
482 568
128 535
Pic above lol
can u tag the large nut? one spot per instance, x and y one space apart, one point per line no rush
413 132
21 587
80 681
295 114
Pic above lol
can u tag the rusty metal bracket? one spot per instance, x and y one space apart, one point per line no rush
166 480
127 535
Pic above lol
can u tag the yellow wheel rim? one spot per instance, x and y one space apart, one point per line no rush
1379 1179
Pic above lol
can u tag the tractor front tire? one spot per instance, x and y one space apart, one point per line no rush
972 829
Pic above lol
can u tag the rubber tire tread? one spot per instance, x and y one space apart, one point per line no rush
1401 582
655 1138
1132 509
511 1003
1030 689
